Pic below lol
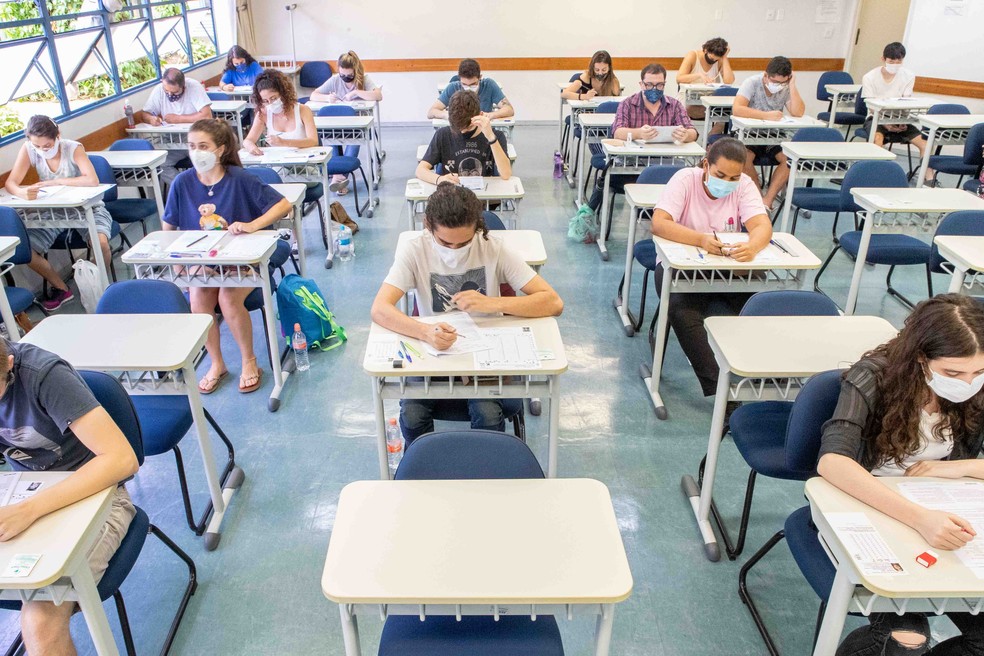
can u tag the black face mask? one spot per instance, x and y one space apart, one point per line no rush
600 78
710 62
347 79
175 97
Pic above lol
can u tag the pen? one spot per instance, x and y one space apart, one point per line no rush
405 356
409 347
779 246
700 254
406 351
197 240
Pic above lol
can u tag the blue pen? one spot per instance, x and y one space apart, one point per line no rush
406 352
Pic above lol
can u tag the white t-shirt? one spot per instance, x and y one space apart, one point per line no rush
191 102
417 266
873 84
930 448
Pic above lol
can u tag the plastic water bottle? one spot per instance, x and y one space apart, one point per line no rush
128 113
980 190
299 343
346 251
628 139
394 446
558 165
731 224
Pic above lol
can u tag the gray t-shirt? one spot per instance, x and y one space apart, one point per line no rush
336 85
37 411
754 90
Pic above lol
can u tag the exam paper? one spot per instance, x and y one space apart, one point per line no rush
473 182
196 242
962 498
383 350
245 246
509 348
469 338
867 547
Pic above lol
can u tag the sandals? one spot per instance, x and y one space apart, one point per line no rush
246 389
208 384
339 187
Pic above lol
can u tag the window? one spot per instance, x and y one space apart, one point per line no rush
62 56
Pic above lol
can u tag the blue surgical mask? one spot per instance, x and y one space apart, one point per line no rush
241 68
720 188
653 95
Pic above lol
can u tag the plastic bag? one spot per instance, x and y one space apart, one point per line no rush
90 286
583 226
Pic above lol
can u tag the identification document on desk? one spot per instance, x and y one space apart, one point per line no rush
962 498
509 348
195 242
16 487
864 543
469 337
473 182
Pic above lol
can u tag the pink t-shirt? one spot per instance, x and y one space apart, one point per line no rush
684 199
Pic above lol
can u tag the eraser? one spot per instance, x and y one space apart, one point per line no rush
398 364
927 558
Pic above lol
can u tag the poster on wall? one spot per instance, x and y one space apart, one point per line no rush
828 11
954 7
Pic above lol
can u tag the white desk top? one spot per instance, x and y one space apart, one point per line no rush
545 332
947 578
476 542
842 88
924 199
9 244
701 86
152 250
132 159
643 195
950 120
617 147
281 155
293 191
789 122
228 105
342 122
510 151
57 536
835 151
65 197
147 128
912 102
717 101
596 120
496 123
961 250
793 347
682 256
495 188
160 342
594 102
358 105
242 88
528 244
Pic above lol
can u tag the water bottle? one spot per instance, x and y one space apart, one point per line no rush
299 343
628 139
558 165
731 225
980 189
394 446
345 249
128 113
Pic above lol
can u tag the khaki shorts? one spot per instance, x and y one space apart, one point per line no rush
113 531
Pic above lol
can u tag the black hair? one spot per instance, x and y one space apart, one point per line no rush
894 50
780 66
174 76
727 147
238 52
652 69
453 206
40 125
469 68
716 46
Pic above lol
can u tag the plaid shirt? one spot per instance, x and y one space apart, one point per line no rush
632 113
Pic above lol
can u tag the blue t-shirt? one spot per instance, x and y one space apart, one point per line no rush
238 196
489 93
244 79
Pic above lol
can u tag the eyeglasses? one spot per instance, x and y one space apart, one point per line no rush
270 101
649 87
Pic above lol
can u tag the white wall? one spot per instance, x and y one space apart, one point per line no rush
943 43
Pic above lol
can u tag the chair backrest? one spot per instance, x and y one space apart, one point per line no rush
969 223
117 404
831 77
12 226
105 174
813 406
607 107
575 77
336 110
492 221
265 174
789 303
860 106
818 134
657 174
454 78
131 144
143 297
725 91
314 73
974 146
948 108
467 454
218 95
871 174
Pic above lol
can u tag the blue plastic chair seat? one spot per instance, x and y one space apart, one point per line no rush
598 162
20 299
512 635
164 421
888 249
759 432
861 133
817 200
801 537
842 118
952 164
75 239
131 210
315 192
972 185
645 253
343 165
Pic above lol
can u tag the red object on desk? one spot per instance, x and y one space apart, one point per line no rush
927 558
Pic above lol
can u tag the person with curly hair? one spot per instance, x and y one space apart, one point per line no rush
285 121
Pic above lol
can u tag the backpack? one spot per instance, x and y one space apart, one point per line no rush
300 301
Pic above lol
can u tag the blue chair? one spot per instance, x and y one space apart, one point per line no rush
348 163
966 223
20 299
968 164
166 420
127 210
722 91
847 119
492 221
114 399
313 74
815 199
890 249
469 455
781 439
131 144
597 156
218 95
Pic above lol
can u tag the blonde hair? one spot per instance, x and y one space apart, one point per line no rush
351 60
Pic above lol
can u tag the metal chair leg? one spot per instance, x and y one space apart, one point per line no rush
198 528
746 596
189 589
896 293
823 267
124 624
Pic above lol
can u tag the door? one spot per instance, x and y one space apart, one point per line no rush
879 23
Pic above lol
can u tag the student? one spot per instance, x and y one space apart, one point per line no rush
708 65
50 421
494 103
598 80
454 265
57 161
469 146
286 122
696 204
765 98
913 407
891 80
241 69
248 205
175 100
639 115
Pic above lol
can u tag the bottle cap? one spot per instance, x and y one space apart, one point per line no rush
297 327
392 422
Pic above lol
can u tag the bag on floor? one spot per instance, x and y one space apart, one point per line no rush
89 284
583 226
300 301
341 217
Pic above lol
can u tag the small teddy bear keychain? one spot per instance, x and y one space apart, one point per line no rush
210 220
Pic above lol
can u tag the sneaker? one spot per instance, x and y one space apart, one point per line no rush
58 299
338 185
931 183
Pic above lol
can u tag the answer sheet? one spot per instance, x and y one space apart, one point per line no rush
867 547
509 348
962 498
469 338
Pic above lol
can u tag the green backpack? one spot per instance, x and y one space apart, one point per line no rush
300 301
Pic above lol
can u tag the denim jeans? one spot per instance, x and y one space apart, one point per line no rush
417 415
876 638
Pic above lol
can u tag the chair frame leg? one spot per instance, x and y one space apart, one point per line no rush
746 596
131 650
189 589
896 293
733 549
823 267
198 528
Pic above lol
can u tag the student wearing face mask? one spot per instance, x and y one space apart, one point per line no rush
708 65
697 203
493 102
598 80
248 205
455 265
286 122
765 97
469 146
913 407
241 69
57 161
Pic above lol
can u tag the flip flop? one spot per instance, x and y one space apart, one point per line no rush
255 386
339 186
208 385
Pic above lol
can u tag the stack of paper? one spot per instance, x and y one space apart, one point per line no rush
247 247
509 349
962 498
469 338
196 242
16 487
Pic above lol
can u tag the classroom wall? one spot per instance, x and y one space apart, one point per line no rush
957 56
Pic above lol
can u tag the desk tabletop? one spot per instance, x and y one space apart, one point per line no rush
510 151
546 333
643 195
703 86
58 536
950 120
476 542
923 199
152 249
593 103
8 245
842 88
229 105
948 578
596 120
293 191
684 256
964 250
835 151
618 147
357 105
717 101
794 347
342 122
144 342
495 188
496 123
912 102
61 198
132 159
279 155
787 122
528 244
237 89
170 128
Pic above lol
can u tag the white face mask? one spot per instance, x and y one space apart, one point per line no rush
452 257
470 87
893 68
774 87
51 152
276 107
203 160
954 389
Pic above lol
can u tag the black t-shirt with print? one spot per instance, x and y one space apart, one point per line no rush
461 154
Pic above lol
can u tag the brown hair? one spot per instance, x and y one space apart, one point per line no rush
238 52
464 106
609 85
654 69
469 68
271 80
223 136
716 46
945 326
727 147
351 60
453 206
40 125
174 76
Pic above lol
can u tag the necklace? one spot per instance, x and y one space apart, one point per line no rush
211 186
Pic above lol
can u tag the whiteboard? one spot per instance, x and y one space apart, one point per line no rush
958 55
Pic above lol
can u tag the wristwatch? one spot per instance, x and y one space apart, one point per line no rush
494 139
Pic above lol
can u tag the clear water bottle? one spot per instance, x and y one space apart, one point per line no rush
394 446
731 225
298 342
980 189
128 113
346 249
558 165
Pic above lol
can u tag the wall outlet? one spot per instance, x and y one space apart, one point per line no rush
718 14
780 14
770 14
828 33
